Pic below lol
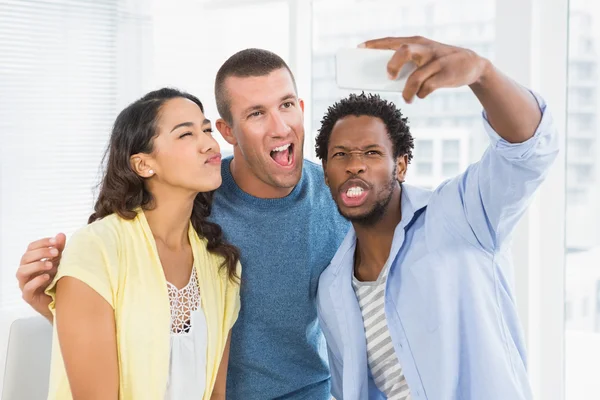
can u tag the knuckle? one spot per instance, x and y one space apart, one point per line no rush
417 79
404 47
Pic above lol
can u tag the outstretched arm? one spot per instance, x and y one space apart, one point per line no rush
512 110
484 203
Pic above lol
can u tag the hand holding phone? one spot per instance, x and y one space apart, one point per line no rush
366 69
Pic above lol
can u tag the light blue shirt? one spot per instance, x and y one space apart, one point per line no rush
449 299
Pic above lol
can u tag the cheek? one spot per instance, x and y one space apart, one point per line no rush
175 157
251 139
297 122
335 180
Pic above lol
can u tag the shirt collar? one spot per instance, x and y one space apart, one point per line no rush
412 200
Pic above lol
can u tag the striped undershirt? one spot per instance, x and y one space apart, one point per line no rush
381 356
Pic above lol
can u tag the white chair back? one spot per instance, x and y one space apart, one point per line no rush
28 360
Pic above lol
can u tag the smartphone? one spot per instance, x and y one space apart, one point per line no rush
366 69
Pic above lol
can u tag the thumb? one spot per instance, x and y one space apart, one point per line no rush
61 239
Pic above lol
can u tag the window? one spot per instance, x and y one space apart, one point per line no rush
67 68
576 197
582 96
582 333
450 169
585 307
424 149
580 149
424 169
568 311
586 71
451 149
597 308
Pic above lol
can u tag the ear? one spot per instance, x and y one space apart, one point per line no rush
142 165
301 102
401 166
226 131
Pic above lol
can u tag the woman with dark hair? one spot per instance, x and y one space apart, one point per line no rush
148 291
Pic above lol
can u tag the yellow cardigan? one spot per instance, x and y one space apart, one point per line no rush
119 260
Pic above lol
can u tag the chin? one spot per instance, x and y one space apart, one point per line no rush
287 180
353 215
366 215
209 185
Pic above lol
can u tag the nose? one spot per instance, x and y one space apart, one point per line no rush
355 164
278 125
207 143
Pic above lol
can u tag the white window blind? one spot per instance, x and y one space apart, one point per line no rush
66 68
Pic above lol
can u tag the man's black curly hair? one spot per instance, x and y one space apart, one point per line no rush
371 105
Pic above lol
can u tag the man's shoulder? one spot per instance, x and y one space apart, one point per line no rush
314 180
343 256
312 167
312 174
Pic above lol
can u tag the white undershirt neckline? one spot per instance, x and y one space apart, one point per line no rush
187 369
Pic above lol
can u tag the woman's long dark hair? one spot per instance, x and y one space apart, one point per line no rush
122 190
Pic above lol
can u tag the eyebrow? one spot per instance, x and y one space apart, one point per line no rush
369 147
189 124
289 96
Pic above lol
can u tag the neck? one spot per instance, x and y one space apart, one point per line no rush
170 217
251 184
374 242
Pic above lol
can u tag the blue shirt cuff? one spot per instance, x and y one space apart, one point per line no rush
517 151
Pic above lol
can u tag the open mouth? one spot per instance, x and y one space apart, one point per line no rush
354 193
283 155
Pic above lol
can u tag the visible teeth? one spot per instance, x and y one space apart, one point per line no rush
354 192
282 148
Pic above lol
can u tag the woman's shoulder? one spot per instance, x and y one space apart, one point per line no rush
105 232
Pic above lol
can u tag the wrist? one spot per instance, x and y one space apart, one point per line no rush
46 313
486 75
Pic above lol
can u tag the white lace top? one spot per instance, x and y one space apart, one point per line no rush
187 369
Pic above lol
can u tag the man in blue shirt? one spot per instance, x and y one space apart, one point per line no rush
418 300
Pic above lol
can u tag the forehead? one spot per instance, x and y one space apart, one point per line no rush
178 110
259 90
354 132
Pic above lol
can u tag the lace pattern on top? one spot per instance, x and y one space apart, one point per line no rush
183 302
